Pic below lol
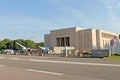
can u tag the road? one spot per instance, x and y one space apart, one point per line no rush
17 67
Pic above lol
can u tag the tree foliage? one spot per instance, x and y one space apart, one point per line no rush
40 44
11 44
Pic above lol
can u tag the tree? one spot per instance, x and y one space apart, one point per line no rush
20 41
30 43
10 44
6 41
40 44
2 45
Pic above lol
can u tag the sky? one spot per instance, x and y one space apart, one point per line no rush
31 19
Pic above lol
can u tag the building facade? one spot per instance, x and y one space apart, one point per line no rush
80 39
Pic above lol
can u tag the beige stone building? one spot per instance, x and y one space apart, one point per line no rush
78 39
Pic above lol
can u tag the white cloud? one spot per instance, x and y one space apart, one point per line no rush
110 8
118 5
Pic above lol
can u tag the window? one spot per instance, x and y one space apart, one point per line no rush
63 41
105 35
58 41
67 41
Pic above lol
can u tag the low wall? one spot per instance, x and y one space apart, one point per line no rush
62 49
101 53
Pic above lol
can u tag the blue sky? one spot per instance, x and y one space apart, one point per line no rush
31 19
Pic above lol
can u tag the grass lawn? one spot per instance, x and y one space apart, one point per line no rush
112 58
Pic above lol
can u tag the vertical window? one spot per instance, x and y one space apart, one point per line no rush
67 41
63 41
57 41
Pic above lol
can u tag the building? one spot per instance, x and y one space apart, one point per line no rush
78 39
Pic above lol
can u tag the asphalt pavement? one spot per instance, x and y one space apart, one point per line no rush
18 67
